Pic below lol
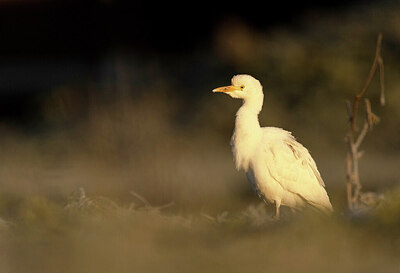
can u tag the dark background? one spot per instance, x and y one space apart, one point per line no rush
45 44
102 80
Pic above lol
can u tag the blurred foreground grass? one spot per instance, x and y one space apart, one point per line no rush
98 235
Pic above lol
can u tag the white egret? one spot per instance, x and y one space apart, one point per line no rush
279 168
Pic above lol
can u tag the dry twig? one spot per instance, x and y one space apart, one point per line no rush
353 140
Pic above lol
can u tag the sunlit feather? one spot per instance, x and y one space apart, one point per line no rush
280 169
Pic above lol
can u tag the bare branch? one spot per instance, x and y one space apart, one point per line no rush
369 78
381 80
371 118
361 136
353 184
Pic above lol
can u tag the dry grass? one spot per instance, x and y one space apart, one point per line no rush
94 234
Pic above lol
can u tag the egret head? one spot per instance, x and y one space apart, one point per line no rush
243 87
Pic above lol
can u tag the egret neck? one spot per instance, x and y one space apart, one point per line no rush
247 132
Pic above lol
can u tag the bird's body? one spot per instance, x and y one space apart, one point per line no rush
279 168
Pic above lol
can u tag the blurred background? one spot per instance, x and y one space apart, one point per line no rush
115 96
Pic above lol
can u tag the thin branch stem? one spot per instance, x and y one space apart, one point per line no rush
353 184
377 59
381 80
361 136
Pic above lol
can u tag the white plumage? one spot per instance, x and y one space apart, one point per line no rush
279 168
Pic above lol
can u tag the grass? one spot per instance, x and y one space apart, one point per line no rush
95 234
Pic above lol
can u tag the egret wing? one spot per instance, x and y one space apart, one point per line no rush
291 165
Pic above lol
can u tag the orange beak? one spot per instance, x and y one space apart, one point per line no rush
225 89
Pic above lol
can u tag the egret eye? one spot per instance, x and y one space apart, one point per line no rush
242 87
